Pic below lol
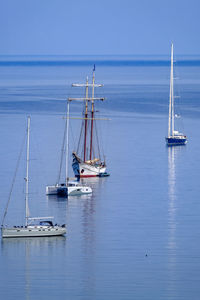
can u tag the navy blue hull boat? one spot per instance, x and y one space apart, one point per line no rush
174 138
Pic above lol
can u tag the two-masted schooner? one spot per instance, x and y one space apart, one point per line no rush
87 160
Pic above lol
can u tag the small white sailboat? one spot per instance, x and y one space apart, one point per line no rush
87 161
69 188
34 227
174 137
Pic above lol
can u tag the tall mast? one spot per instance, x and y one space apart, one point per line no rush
88 99
27 171
92 114
172 89
67 144
171 99
86 115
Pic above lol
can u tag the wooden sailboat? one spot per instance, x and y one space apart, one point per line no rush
68 188
174 137
87 161
34 227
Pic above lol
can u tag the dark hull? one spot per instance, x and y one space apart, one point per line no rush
173 141
75 167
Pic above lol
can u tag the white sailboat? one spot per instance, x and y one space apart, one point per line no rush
87 161
68 188
174 137
34 227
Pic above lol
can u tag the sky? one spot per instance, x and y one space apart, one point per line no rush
99 27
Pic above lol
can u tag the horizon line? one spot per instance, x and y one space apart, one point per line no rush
113 55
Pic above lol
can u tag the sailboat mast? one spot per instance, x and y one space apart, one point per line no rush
170 94
27 171
92 114
85 126
86 116
67 144
172 87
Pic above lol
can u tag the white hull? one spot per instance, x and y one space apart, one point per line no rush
87 170
79 190
54 189
32 231
68 190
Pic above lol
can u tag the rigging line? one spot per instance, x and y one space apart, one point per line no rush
81 133
13 181
178 102
40 167
97 140
100 140
106 139
103 144
93 142
62 153
72 134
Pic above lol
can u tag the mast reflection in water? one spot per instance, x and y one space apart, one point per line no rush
173 153
30 272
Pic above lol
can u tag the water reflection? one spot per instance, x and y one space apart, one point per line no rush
97 184
173 153
98 181
56 198
36 242
89 245
29 260
82 216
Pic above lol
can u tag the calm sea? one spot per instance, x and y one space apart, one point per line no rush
137 235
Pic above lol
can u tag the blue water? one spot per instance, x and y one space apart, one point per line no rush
137 236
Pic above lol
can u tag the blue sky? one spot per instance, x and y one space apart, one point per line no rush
75 27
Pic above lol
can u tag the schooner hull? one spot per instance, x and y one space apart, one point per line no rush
84 170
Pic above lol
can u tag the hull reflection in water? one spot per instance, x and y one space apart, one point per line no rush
173 153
